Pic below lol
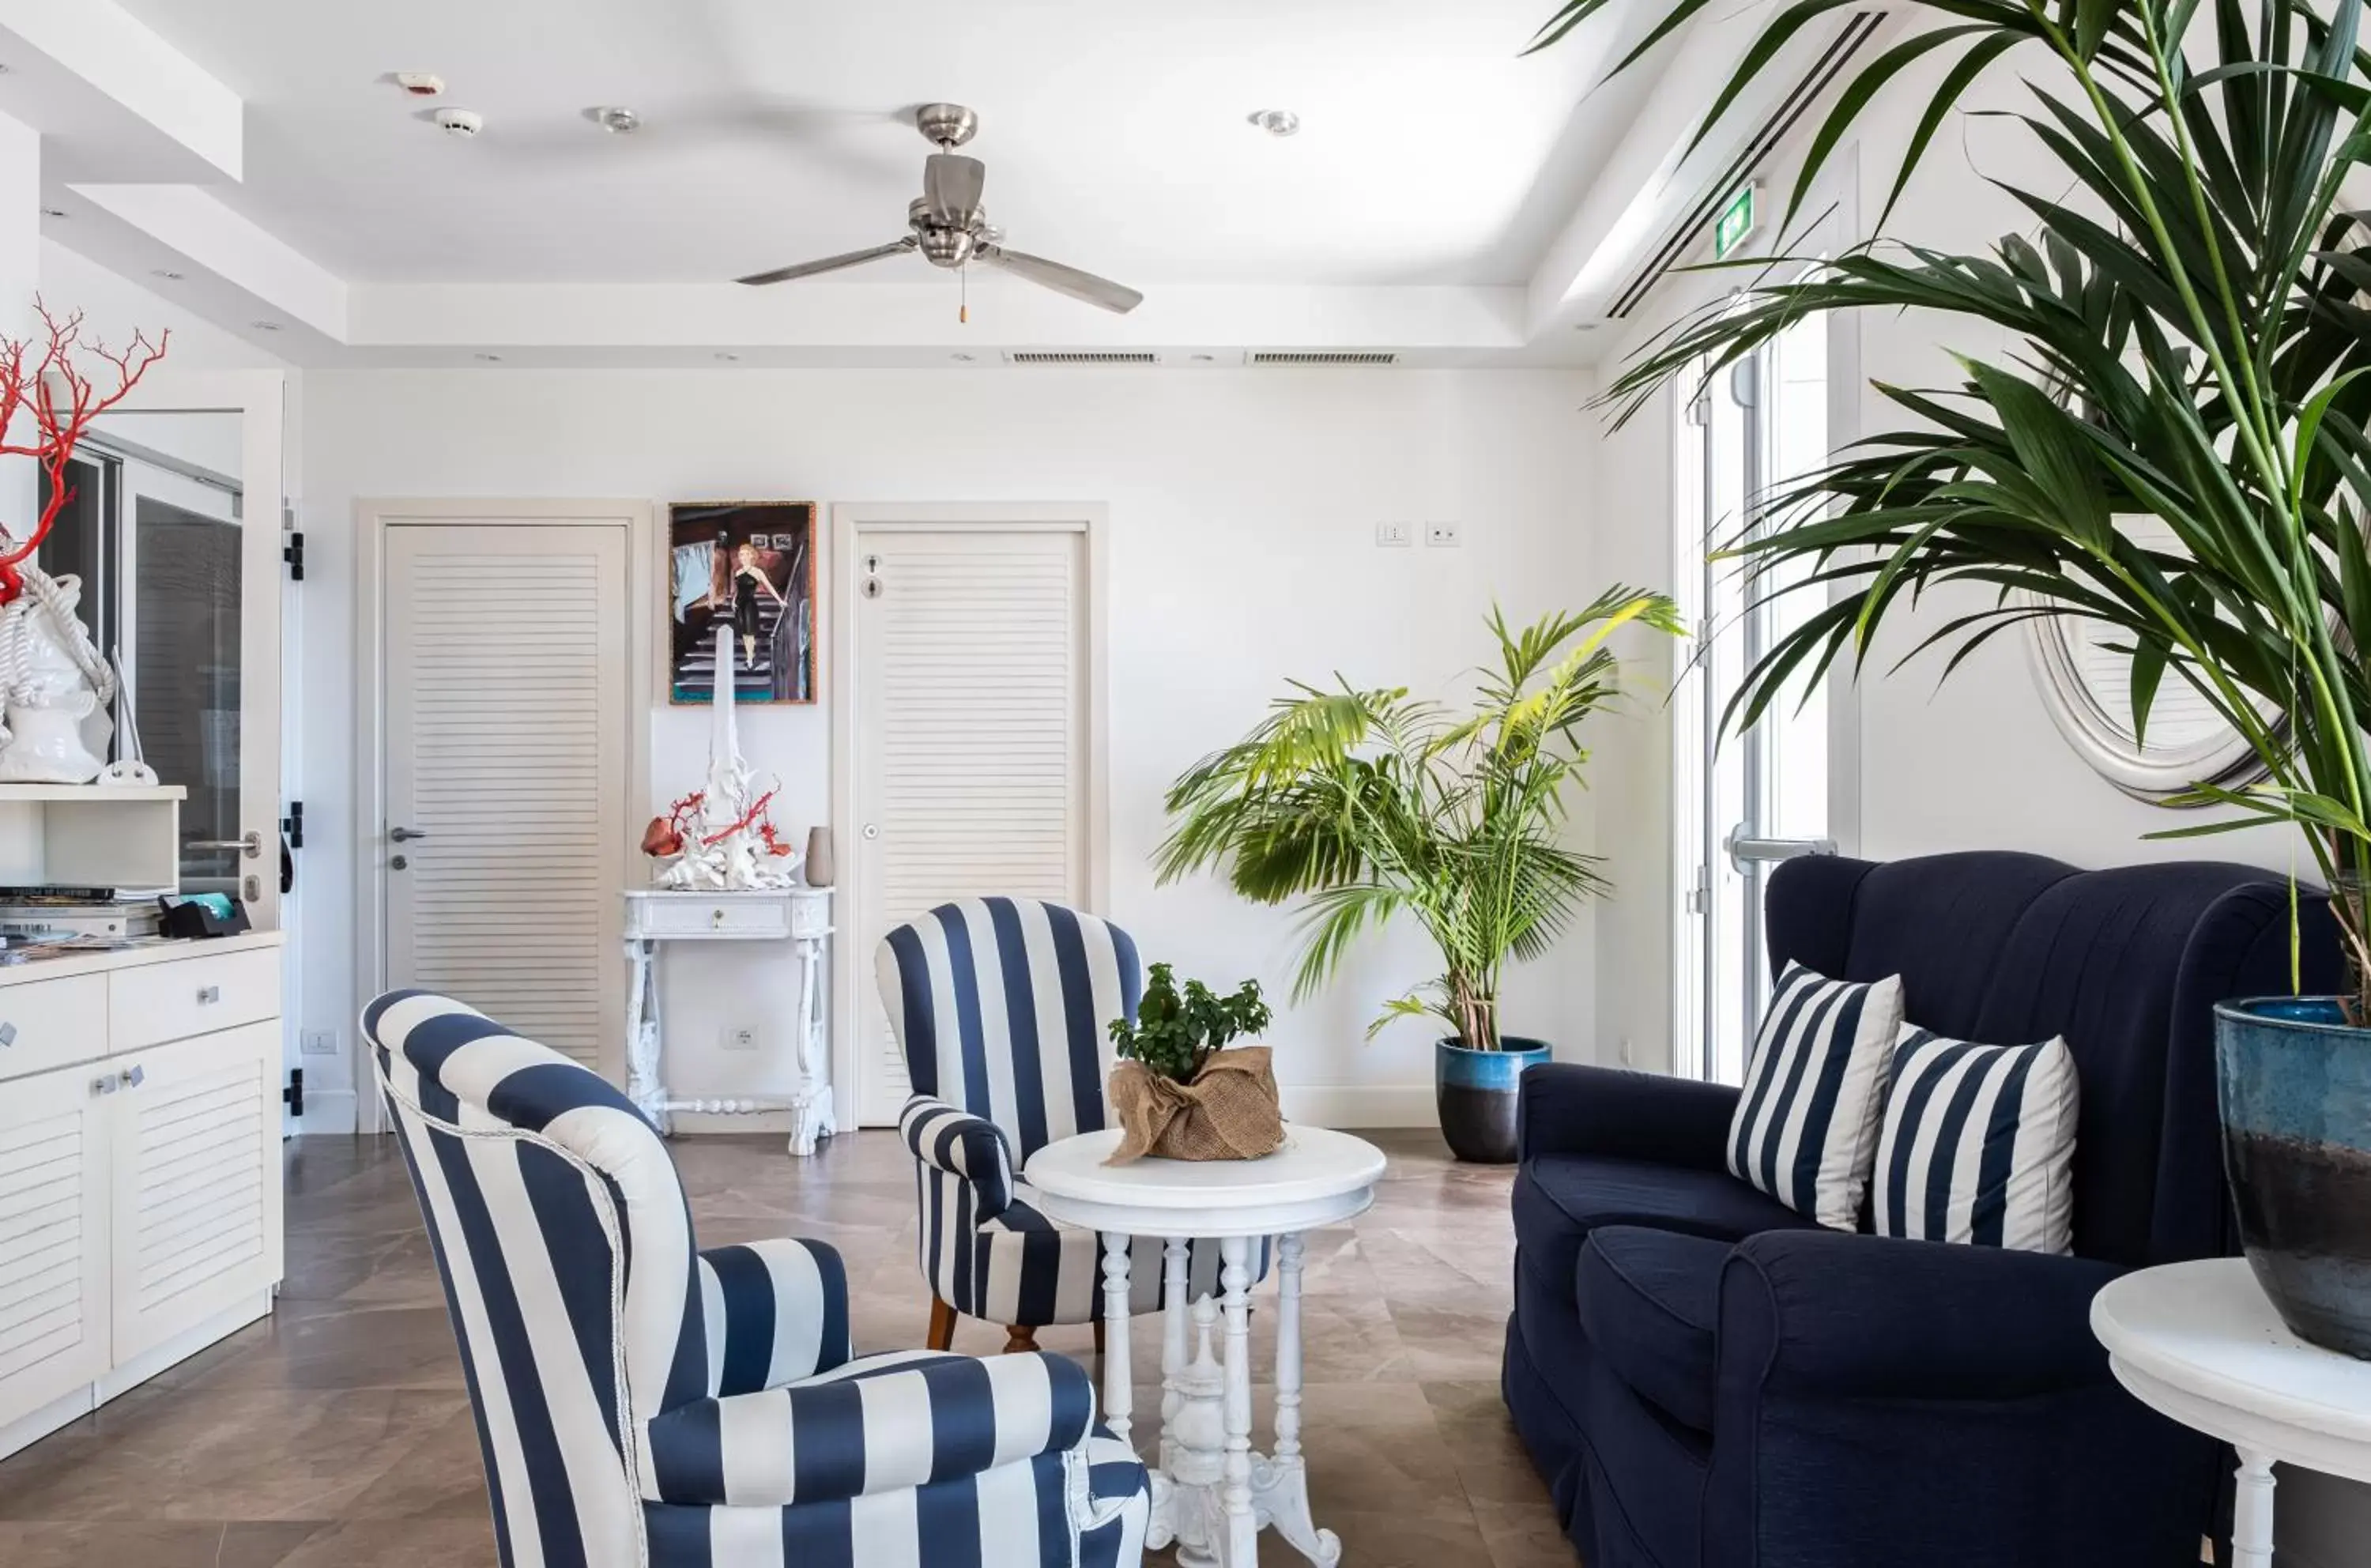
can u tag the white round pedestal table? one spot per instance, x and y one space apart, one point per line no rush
1211 1493
2200 1343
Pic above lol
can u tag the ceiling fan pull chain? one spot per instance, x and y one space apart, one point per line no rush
963 309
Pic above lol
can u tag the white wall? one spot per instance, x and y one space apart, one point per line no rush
1243 508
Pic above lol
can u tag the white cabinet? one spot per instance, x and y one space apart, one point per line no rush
140 1185
53 1265
194 1157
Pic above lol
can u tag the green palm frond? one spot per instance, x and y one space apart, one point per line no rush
1374 806
2187 304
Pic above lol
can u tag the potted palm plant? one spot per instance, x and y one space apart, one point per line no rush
1373 805
2176 448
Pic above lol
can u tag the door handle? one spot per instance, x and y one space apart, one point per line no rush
405 835
248 844
1745 851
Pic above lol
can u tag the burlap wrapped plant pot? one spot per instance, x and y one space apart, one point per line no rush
1229 1112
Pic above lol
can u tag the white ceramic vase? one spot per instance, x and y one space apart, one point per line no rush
49 698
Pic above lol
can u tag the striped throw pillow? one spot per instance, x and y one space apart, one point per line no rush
1805 1129
1979 1145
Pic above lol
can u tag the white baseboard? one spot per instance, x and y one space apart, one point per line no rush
1360 1104
695 1123
328 1111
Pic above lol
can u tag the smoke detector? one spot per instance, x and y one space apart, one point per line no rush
462 123
420 83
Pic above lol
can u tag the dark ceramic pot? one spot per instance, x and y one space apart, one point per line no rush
2295 1080
1476 1091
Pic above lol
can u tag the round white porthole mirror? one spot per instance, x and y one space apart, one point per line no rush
2084 669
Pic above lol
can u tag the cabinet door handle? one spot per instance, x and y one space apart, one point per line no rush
102 1085
8 1034
208 994
134 1077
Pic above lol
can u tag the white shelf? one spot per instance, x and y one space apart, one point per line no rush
38 792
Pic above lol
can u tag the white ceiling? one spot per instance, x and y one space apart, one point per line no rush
1115 135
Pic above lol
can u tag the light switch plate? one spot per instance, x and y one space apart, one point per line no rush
318 1042
741 1037
1394 535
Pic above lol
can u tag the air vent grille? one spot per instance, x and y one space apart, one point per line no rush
1335 357
1081 356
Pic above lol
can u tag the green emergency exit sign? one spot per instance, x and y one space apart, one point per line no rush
1735 224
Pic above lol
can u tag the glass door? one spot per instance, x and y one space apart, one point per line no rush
1747 799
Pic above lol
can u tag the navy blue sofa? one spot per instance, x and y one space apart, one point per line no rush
1709 1380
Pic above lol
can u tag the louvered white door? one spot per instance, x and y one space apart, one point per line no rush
971 731
505 755
195 1222
54 1183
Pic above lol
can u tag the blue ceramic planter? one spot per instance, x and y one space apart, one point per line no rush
2295 1080
1476 1091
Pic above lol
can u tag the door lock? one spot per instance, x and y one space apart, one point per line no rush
401 862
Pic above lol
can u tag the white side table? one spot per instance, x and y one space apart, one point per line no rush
797 915
1211 1493
2199 1342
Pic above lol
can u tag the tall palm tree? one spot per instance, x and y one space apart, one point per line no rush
2193 340
1374 804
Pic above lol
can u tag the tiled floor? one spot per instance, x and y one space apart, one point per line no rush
338 1434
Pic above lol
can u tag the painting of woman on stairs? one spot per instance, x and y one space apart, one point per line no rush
749 566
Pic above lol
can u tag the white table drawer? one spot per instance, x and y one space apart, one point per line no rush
48 1024
154 1002
689 917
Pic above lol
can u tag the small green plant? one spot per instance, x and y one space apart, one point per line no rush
1173 1034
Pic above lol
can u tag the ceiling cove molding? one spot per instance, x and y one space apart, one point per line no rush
71 49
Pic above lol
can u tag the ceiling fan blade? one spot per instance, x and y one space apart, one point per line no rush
831 263
1118 298
951 186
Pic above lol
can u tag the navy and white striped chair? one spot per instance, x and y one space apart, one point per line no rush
641 1402
1002 1008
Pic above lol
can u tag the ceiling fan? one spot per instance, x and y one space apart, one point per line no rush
951 228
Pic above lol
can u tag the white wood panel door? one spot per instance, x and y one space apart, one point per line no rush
54 1179
195 1163
972 744
506 689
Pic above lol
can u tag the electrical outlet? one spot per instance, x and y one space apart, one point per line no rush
1394 535
1442 535
741 1037
318 1042
1626 1052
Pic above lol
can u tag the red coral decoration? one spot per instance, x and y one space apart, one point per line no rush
755 811
60 425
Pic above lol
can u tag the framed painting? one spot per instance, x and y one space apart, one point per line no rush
746 568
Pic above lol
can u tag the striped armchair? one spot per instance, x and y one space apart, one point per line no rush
1001 1008
641 1402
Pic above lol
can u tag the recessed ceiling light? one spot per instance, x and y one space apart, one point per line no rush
55 213
961 359
1275 122
1205 359
167 274
617 120
489 359
265 326
729 359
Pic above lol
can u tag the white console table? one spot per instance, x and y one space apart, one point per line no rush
797 915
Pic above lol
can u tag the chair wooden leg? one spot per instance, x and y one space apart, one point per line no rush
1021 1337
943 1325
